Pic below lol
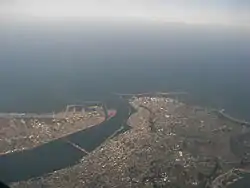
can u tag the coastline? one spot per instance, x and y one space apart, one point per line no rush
40 129
48 157
77 137
51 140
179 133
231 118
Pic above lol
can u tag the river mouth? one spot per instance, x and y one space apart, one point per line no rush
59 153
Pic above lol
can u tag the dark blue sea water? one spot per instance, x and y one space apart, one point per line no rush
46 66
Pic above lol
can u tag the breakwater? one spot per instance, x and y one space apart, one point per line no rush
221 113
151 94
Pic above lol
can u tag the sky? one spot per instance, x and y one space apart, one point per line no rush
225 12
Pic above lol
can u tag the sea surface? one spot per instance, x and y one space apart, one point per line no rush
45 66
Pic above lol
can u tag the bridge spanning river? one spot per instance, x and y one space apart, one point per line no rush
62 152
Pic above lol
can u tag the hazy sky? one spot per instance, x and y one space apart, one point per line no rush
233 12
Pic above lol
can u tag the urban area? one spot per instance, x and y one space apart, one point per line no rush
25 131
169 144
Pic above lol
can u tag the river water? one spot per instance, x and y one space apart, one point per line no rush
59 153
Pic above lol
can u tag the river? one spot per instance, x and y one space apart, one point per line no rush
59 153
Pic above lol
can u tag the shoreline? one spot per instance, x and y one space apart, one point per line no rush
219 112
86 151
38 129
127 150
50 114
55 139
151 94
231 118
49 154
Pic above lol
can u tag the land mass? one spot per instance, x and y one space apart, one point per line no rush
169 144
20 132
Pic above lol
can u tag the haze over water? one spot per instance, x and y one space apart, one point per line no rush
48 65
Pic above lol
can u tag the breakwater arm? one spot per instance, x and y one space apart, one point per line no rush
151 94
221 113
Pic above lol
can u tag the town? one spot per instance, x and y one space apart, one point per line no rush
25 131
169 144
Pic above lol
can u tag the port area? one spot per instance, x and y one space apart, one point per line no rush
170 144
26 130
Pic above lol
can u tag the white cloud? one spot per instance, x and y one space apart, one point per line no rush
189 11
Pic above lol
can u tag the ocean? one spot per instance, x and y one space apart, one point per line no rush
45 66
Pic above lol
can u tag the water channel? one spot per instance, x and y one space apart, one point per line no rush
59 154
